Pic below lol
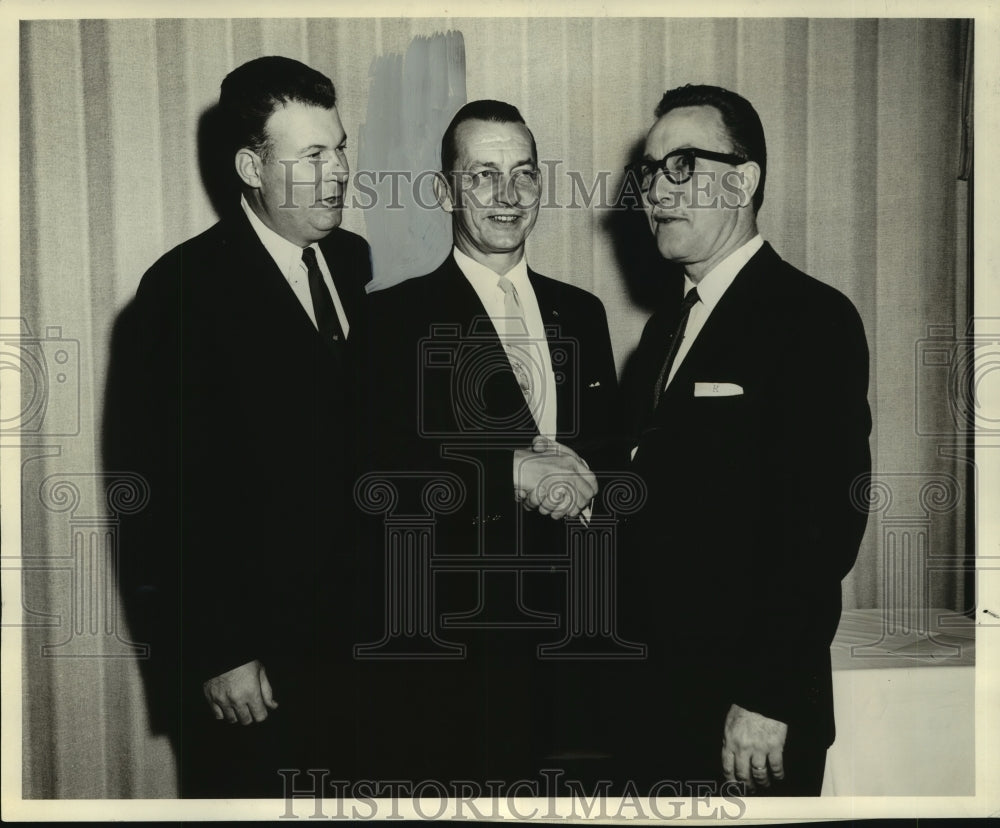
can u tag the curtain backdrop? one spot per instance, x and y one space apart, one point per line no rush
864 127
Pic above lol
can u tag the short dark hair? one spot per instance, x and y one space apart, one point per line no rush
739 117
485 110
252 92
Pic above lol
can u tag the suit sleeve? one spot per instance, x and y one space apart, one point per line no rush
209 488
635 399
818 456
599 441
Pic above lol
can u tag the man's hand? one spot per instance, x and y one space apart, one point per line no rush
242 695
553 479
752 743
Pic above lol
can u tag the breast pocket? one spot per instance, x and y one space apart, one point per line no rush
718 390
728 428
731 412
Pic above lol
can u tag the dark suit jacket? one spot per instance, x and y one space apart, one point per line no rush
750 524
223 395
439 379
443 400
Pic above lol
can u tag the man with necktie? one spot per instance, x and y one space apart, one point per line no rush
488 373
749 423
231 391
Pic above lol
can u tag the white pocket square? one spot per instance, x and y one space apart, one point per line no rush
717 389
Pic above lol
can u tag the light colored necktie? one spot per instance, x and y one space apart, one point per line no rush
523 353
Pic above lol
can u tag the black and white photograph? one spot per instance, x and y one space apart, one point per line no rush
574 414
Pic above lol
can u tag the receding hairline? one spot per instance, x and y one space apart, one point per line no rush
722 131
283 105
457 138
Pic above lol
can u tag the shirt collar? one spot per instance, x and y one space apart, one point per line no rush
480 274
719 278
286 254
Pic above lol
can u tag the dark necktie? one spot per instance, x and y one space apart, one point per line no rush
326 314
675 344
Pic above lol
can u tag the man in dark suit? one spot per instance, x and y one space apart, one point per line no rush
749 423
231 391
493 376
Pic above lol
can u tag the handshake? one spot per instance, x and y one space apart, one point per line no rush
553 479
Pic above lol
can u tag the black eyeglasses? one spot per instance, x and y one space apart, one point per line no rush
677 166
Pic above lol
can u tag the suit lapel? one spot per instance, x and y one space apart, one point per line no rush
722 341
258 279
342 270
458 300
559 329
461 303
660 339
265 302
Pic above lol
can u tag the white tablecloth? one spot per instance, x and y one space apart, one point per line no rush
905 707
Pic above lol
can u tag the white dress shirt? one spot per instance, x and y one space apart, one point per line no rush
486 284
710 290
288 257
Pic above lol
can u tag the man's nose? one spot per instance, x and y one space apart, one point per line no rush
329 168
663 192
335 167
505 192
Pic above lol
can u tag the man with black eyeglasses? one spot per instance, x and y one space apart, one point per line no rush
749 423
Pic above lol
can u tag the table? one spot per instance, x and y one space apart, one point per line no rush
904 704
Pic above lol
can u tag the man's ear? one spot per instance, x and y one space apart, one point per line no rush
442 191
748 178
248 166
